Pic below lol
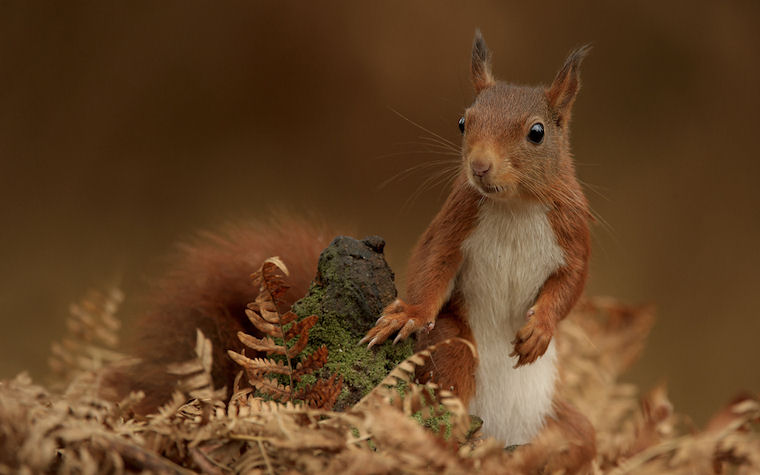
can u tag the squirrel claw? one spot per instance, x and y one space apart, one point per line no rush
397 317
405 331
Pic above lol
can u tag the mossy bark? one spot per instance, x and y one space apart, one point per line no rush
352 286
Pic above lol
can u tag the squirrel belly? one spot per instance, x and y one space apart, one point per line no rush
507 258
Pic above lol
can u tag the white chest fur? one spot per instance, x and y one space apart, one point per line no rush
507 258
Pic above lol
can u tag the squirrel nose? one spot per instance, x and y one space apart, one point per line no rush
480 168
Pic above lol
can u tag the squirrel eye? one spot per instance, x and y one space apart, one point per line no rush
461 124
536 134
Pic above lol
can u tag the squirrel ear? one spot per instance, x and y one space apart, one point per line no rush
481 64
566 84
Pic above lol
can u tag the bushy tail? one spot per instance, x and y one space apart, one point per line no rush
208 287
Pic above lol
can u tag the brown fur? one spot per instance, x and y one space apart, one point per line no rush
452 369
208 287
579 435
437 255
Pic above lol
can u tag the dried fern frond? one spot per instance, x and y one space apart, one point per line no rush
718 445
322 394
75 431
301 329
266 319
264 312
244 403
92 335
255 367
266 344
250 405
195 374
313 362
270 278
273 389
284 335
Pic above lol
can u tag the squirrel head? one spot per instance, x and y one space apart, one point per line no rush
516 138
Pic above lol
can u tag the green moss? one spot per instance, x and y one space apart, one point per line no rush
438 416
401 388
307 379
362 369
435 423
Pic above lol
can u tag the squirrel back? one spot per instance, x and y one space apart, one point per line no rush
208 286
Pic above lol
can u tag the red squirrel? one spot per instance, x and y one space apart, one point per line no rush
503 261
506 258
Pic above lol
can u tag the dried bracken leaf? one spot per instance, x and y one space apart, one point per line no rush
283 335
255 367
196 379
254 405
92 335
253 312
313 362
301 328
322 394
273 389
75 431
266 344
270 278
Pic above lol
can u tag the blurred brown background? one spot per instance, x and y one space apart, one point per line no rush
126 127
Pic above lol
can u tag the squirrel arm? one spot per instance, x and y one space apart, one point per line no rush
562 289
433 267
437 257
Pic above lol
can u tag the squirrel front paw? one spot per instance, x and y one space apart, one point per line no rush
533 338
398 316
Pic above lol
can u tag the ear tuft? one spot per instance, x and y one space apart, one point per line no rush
566 85
481 64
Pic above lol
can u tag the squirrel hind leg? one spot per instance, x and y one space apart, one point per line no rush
451 367
567 428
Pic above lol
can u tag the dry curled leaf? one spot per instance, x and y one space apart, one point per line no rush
270 278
